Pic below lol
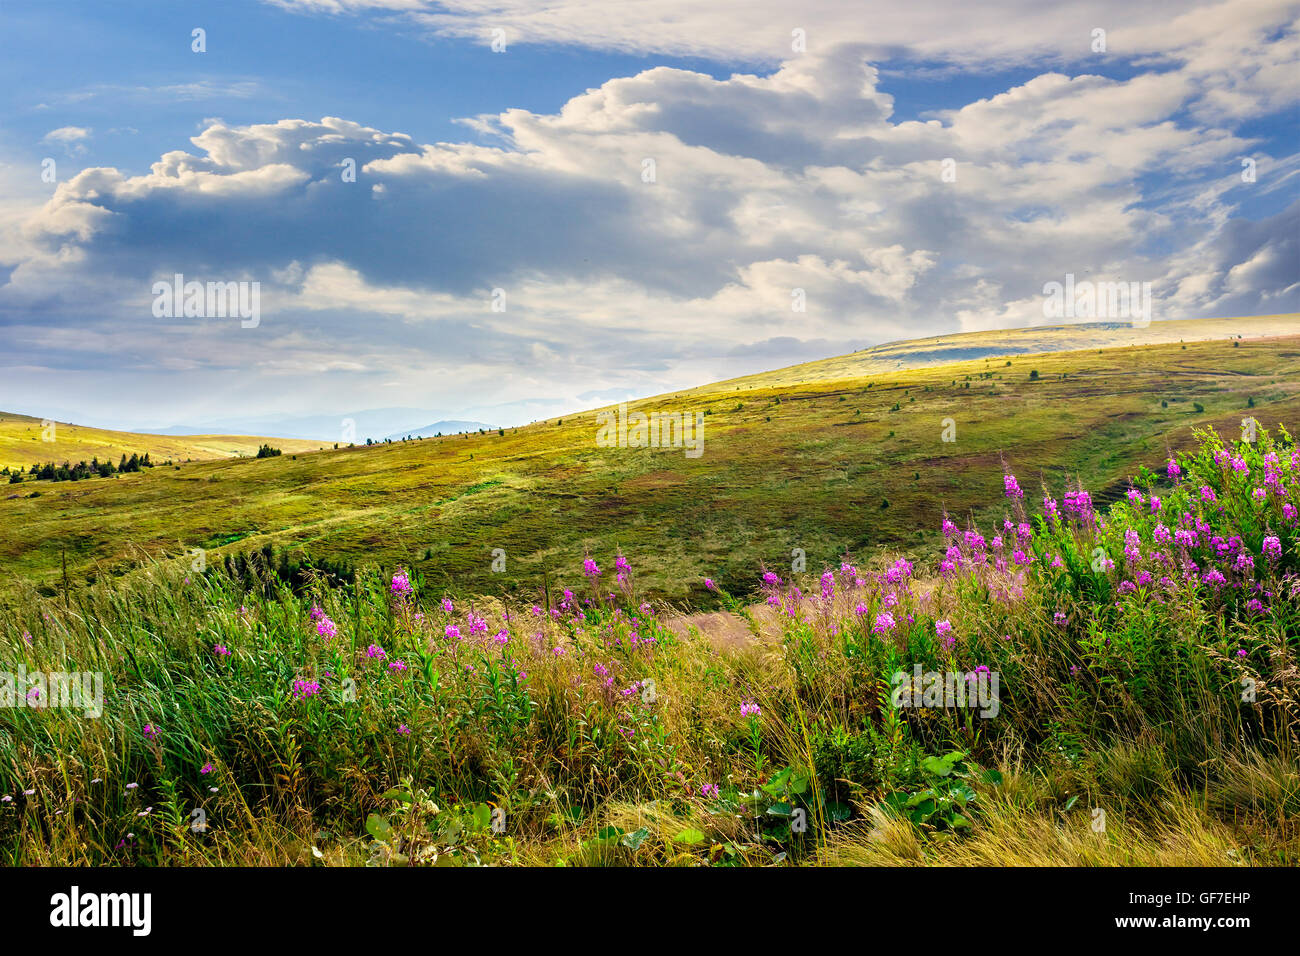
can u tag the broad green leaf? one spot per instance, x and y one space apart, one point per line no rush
378 827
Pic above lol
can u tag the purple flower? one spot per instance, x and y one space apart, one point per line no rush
401 584
304 689
708 583
750 709
1272 547
900 569
1012 489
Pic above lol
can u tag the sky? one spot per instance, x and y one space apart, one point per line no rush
557 205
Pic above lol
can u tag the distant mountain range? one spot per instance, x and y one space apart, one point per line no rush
375 424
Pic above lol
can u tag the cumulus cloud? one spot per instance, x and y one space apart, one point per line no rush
665 228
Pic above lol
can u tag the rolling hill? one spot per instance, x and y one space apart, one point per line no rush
832 457
26 441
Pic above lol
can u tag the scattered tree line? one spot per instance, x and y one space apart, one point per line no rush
70 472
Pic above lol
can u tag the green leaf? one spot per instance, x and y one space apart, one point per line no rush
942 766
778 782
1069 804
608 833
838 811
480 816
690 836
378 827
780 810
397 793
634 839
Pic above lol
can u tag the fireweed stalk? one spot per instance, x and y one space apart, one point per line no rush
751 711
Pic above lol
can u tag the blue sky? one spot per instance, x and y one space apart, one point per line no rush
112 65
778 166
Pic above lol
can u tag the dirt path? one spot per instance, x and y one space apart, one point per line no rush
728 631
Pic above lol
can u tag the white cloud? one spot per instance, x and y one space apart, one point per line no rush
800 179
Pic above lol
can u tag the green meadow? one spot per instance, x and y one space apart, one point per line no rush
825 458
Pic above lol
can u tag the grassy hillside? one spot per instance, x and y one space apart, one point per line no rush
1010 343
831 463
26 441
1070 687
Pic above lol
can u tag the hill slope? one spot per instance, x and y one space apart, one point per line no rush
23 443
801 458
